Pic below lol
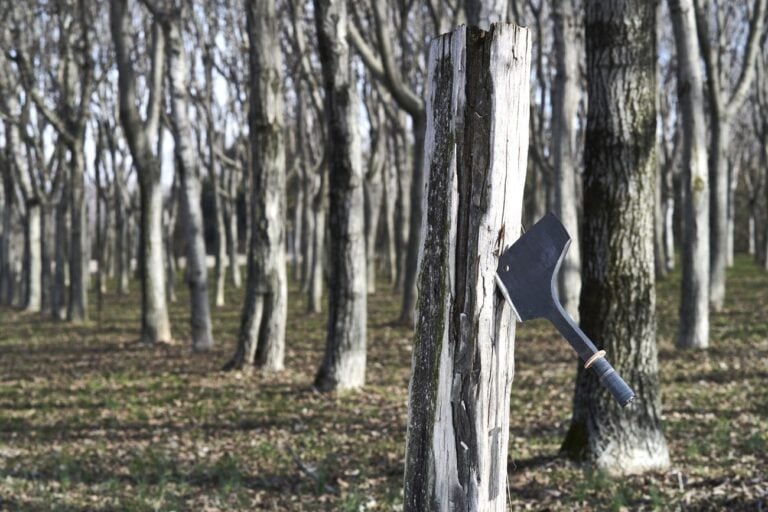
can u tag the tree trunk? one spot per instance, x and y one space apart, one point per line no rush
262 324
618 297
343 365
33 249
414 227
669 221
373 189
565 104
77 307
317 268
155 326
693 329
230 217
390 204
58 296
196 272
733 181
476 155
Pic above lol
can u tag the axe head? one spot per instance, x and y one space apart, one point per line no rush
527 272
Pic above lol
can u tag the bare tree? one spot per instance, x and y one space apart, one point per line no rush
196 273
343 365
565 104
262 324
725 97
155 326
618 296
693 329
69 118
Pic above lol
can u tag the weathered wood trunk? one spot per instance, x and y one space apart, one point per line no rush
565 104
196 272
618 295
343 365
476 156
693 330
262 324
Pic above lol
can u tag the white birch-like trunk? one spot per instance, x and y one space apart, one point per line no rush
693 330
35 257
343 365
476 156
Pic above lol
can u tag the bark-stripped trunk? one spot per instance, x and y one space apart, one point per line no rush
693 330
155 326
476 155
262 324
565 104
618 296
343 365
196 272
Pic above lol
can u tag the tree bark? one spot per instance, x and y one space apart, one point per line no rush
262 324
196 272
373 188
618 296
343 365
693 329
565 104
155 326
476 155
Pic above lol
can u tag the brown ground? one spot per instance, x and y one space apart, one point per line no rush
90 420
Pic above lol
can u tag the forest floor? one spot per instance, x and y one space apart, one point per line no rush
92 420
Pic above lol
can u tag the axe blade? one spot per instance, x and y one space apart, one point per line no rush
527 271
527 276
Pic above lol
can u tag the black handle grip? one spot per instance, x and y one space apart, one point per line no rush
611 380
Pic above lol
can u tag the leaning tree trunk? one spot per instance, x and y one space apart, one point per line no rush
693 330
565 104
343 365
196 272
618 297
476 155
262 324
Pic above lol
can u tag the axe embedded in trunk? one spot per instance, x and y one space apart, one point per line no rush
527 276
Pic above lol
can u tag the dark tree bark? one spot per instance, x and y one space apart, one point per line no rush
618 296
343 365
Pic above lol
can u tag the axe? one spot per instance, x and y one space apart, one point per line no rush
527 277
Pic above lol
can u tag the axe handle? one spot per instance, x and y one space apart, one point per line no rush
586 349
